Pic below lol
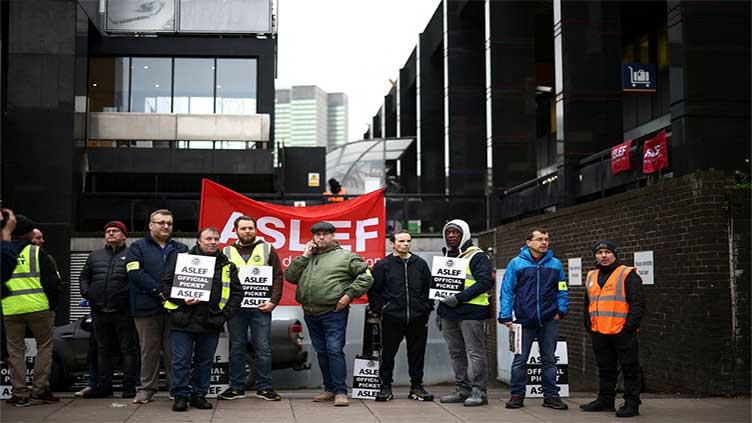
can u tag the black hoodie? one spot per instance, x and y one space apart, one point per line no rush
204 317
397 283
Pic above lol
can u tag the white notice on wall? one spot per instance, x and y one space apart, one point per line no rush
574 266
643 262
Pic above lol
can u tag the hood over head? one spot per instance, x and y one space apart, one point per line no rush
462 226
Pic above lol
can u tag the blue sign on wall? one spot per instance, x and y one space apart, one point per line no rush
637 77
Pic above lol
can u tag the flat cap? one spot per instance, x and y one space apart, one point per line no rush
323 226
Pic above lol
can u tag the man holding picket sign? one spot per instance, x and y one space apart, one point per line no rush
201 291
260 274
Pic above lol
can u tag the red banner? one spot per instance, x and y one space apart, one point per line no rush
620 157
655 154
360 224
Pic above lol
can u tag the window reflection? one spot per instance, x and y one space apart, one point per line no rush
108 84
194 91
151 80
236 86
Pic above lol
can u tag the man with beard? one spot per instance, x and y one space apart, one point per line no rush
249 251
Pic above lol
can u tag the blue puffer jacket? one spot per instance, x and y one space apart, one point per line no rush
537 290
146 262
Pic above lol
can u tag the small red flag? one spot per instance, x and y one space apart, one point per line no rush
620 157
655 154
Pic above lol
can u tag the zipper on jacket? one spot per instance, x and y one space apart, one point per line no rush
407 291
107 279
537 294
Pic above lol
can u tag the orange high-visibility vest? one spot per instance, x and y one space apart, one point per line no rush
332 198
608 305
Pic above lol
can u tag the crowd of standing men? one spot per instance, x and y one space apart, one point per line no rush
129 289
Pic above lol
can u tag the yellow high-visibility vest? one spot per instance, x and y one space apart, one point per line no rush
25 285
481 299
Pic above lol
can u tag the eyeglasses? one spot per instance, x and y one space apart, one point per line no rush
541 240
162 223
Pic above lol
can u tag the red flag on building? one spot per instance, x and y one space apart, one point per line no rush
620 157
655 154
360 224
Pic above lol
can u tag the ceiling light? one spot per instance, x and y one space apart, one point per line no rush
146 67
156 85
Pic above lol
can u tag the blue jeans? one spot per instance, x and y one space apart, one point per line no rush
328 338
261 337
547 336
191 381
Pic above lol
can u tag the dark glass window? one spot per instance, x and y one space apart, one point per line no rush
108 84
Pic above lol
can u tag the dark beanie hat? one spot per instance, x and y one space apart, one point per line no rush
24 225
323 226
603 243
454 226
117 224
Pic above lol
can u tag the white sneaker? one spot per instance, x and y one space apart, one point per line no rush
81 393
143 397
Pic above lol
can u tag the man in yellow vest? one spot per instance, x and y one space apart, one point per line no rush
253 256
462 318
29 299
614 305
195 324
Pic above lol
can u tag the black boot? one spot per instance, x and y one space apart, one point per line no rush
385 394
201 403
599 404
180 404
628 409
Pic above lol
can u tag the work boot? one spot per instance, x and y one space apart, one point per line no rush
180 404
555 402
419 393
628 409
516 402
456 397
340 400
599 404
477 398
201 403
385 394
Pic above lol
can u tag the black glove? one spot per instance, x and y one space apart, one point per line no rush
451 301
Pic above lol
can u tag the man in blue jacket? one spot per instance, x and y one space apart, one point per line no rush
535 288
146 262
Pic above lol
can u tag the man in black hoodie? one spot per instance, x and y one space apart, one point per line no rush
400 295
614 305
195 325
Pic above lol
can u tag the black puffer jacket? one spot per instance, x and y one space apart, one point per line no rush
204 317
396 283
104 280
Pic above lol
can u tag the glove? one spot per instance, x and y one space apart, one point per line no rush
451 301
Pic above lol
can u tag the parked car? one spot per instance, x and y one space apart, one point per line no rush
71 345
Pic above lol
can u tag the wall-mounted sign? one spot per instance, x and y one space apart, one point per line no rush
574 268
643 262
636 77
314 179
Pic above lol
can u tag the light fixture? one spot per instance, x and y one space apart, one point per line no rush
219 86
94 84
146 67
156 85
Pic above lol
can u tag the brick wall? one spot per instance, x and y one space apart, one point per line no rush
695 335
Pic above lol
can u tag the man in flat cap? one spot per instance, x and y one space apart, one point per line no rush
104 282
328 278
29 299
614 305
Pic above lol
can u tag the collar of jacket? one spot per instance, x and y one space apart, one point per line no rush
394 257
221 258
526 255
334 246
151 239
115 250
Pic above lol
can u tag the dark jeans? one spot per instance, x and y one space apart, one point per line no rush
91 357
547 335
611 350
196 348
416 335
328 332
116 335
261 337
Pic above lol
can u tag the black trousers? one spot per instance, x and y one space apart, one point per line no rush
610 351
392 333
116 335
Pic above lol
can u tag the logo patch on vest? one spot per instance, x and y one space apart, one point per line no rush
256 258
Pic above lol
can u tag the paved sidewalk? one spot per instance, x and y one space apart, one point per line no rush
297 407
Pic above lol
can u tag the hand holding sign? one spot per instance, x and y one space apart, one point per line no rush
448 277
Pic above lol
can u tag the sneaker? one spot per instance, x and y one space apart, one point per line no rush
22 402
516 402
268 395
477 398
180 404
456 397
143 397
340 400
599 404
385 394
45 397
555 402
83 391
628 409
231 394
419 393
97 393
324 396
201 403
14 400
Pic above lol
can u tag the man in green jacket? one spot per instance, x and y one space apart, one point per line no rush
328 279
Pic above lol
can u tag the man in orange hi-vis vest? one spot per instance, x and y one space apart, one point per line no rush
614 305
